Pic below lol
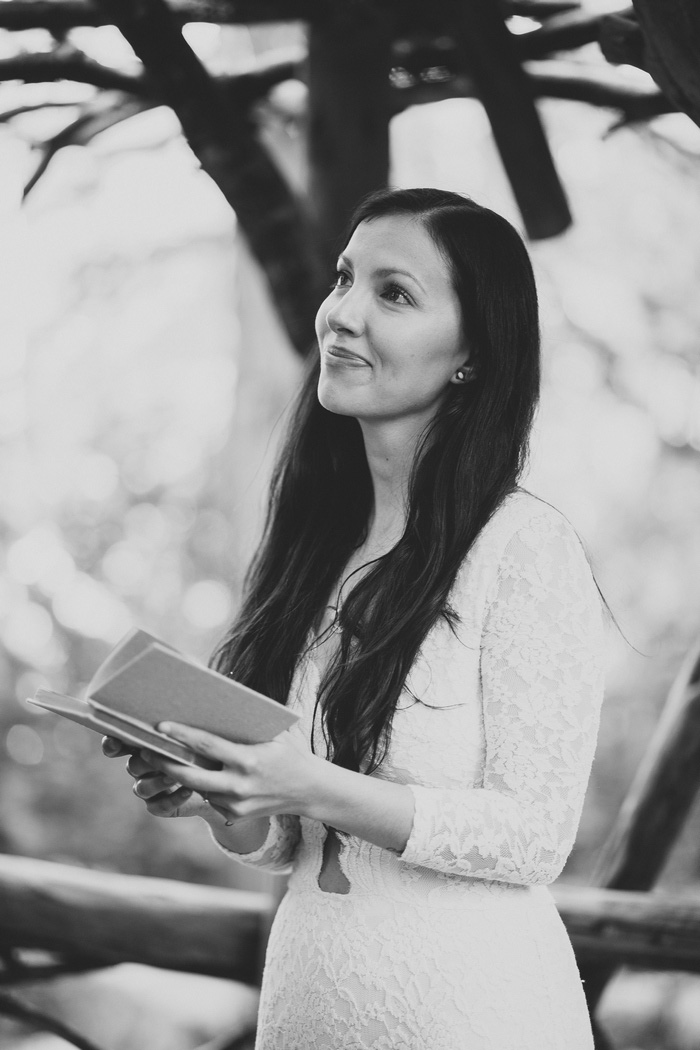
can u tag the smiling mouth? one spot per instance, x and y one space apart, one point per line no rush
339 353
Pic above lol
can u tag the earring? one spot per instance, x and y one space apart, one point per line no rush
461 376
461 373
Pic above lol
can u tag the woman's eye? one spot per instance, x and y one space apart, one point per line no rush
342 277
396 294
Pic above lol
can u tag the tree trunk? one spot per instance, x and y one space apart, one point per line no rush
349 109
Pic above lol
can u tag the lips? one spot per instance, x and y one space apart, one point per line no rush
340 353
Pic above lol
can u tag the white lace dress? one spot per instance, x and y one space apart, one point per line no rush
456 943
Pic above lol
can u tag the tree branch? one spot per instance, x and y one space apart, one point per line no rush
97 115
241 88
564 32
19 111
49 66
509 103
598 86
68 14
538 8
223 139
595 85
106 110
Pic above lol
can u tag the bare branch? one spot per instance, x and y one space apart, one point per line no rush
58 65
564 32
595 85
62 15
97 115
241 88
19 111
598 86
539 8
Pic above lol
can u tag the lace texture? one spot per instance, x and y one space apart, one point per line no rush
456 943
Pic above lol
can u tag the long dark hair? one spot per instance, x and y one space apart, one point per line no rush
468 460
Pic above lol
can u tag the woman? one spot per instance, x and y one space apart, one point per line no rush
440 634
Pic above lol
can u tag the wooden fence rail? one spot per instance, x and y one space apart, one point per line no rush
100 919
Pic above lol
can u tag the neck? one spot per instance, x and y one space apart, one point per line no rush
390 447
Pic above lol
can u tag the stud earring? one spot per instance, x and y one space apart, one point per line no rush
460 375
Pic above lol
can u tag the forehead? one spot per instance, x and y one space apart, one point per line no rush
398 242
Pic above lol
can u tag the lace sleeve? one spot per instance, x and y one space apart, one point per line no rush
542 656
276 853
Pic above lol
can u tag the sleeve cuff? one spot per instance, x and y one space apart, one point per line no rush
255 855
412 852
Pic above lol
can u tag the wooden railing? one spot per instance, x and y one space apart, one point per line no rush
87 919
93 919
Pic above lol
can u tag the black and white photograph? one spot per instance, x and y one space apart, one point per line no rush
349 525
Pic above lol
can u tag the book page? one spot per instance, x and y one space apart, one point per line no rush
133 643
160 684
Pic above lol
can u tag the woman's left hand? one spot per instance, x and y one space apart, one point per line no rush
279 776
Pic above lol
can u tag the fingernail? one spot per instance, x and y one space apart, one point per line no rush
164 727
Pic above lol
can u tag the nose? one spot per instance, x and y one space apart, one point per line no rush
345 313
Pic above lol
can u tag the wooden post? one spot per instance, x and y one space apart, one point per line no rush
657 803
349 109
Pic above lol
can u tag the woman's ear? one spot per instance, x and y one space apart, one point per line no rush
463 374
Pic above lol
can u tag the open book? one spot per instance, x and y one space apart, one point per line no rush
144 681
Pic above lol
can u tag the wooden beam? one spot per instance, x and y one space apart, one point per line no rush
648 930
661 794
657 803
349 110
509 102
106 918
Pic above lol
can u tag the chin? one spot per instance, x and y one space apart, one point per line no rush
334 399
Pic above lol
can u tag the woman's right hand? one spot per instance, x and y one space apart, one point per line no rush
162 796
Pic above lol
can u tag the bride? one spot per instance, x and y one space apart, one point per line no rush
439 631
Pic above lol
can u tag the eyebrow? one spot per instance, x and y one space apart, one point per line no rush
385 271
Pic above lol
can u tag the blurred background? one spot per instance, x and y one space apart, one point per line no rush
144 377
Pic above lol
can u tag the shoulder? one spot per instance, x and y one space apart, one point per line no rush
527 546
523 518
539 561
